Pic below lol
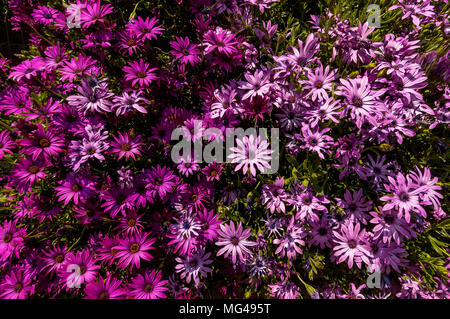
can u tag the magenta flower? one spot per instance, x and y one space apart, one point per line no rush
45 15
194 265
139 73
53 259
94 12
82 65
355 205
405 197
6 144
273 196
134 248
361 100
93 96
185 51
289 244
126 146
17 284
145 29
184 234
78 268
11 240
75 187
315 140
220 41
130 102
148 286
108 288
27 69
257 84
351 245
319 82
160 181
321 233
389 227
234 241
250 152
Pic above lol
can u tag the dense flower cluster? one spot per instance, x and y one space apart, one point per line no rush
93 206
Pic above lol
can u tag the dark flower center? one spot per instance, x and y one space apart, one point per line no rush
33 169
377 170
318 84
103 295
129 102
389 219
307 200
76 188
235 241
43 142
148 288
78 70
59 258
83 269
90 150
159 181
7 238
357 101
399 86
141 74
313 141
322 231
404 197
89 212
220 44
188 165
352 243
29 70
121 199
134 248
301 61
193 263
93 98
194 198
132 222
352 207
213 173
131 42
18 287
185 51
125 147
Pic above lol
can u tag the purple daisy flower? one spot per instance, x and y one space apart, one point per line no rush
289 243
125 146
6 143
108 288
388 227
79 267
234 241
148 286
129 102
133 248
145 29
250 152
75 187
139 73
185 51
194 265
351 245
17 284
405 197
53 259
160 181
11 240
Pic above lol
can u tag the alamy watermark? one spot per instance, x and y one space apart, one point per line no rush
374 19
